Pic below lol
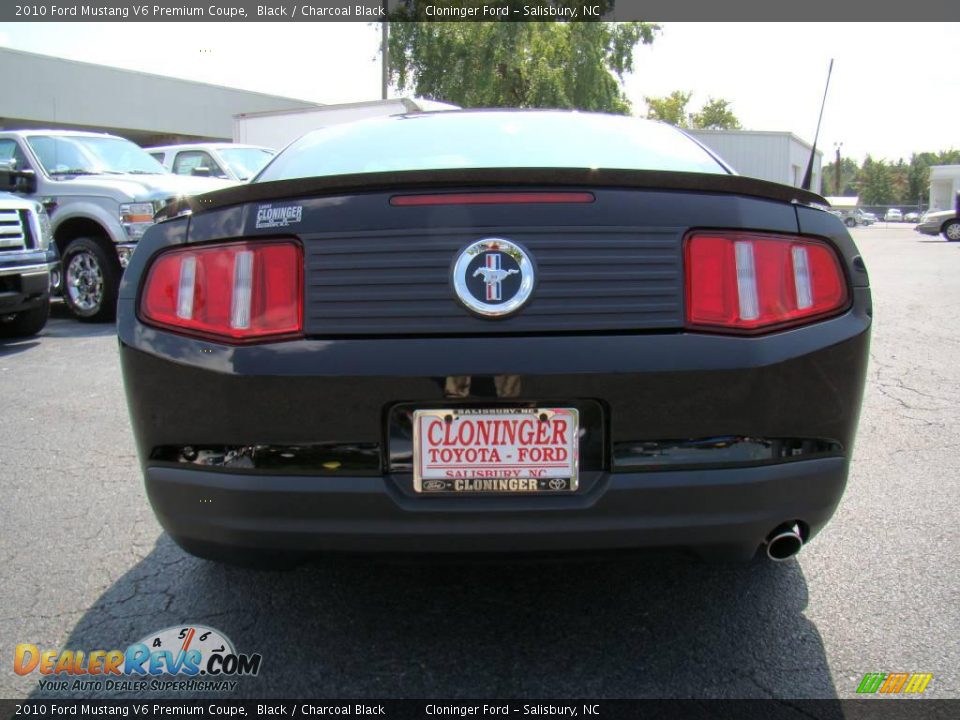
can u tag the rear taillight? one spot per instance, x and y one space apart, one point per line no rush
238 292
749 282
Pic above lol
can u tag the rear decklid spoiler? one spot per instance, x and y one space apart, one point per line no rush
509 177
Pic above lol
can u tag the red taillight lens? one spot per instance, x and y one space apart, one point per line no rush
753 281
237 292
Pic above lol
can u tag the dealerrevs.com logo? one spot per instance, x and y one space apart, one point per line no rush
200 658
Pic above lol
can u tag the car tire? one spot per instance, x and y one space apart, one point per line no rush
26 323
91 279
850 222
951 231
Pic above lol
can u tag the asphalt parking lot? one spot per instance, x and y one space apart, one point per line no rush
84 565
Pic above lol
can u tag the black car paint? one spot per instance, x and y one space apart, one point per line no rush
663 386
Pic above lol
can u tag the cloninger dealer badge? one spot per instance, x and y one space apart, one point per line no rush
493 277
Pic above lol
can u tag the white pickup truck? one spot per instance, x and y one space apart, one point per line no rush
29 266
102 193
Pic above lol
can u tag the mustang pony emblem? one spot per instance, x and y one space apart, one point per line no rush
493 275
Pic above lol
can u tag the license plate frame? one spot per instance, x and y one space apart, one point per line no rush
513 472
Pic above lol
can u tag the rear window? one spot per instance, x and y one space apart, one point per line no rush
451 140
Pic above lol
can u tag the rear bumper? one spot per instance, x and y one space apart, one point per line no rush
655 390
736 508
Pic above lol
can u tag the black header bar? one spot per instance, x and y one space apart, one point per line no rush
476 11
874 709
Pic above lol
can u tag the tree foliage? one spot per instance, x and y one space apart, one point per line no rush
882 183
671 108
849 171
716 113
515 64
876 183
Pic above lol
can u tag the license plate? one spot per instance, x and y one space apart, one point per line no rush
510 450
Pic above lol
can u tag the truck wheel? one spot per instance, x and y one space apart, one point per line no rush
951 231
26 323
850 222
91 279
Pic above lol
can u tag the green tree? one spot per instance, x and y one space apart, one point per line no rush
514 64
918 178
876 182
671 108
716 114
900 181
849 170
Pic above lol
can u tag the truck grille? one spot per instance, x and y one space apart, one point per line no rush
588 278
14 230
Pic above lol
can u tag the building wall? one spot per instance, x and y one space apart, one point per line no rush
150 109
776 156
944 186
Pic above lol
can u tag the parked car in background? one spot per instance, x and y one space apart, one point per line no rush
462 332
29 266
912 217
852 218
943 222
227 161
102 192
893 215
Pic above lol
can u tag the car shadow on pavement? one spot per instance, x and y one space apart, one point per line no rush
11 346
63 324
623 626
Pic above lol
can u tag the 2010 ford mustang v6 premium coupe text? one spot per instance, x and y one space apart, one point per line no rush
495 331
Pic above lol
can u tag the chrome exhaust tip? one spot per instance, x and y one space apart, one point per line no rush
784 542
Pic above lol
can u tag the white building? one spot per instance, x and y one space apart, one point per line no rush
776 156
944 186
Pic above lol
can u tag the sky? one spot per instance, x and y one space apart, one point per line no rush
895 87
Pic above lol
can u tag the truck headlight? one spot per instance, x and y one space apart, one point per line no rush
136 218
46 228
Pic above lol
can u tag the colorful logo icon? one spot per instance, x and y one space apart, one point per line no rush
894 683
190 650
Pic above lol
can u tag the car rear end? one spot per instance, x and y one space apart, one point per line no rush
302 374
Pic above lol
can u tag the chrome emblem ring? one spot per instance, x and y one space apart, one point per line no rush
493 277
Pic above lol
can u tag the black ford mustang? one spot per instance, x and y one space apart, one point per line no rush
495 331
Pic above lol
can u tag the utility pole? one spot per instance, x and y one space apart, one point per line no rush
384 54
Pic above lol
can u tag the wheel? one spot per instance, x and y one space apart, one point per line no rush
951 231
91 279
26 323
850 222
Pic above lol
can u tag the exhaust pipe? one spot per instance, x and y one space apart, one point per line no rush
784 542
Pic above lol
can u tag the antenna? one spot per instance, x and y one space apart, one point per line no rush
808 175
